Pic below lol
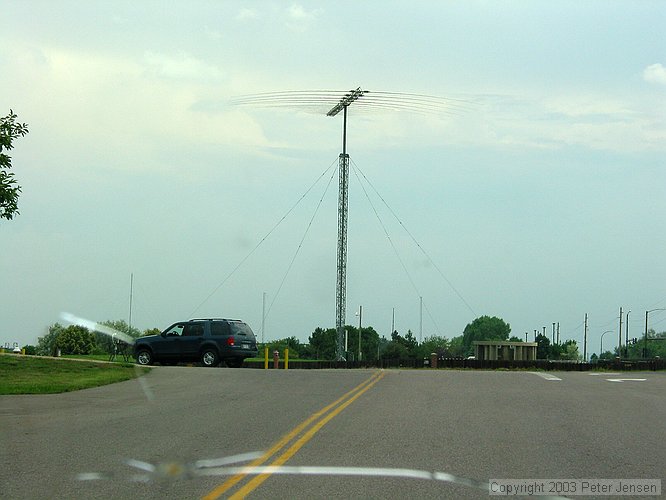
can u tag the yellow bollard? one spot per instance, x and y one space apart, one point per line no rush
265 358
286 358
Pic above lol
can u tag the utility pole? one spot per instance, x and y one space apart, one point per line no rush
343 206
129 325
585 340
645 338
554 333
263 317
626 337
420 320
619 342
360 316
558 332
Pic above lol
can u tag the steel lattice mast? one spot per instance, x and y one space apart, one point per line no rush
343 205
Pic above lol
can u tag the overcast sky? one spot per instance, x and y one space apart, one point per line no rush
534 193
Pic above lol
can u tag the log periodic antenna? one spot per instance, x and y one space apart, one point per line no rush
343 207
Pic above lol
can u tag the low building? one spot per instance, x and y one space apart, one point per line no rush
504 350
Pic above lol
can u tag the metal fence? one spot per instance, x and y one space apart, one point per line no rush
460 363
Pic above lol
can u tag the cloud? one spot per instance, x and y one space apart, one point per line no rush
182 66
655 73
299 18
247 13
298 12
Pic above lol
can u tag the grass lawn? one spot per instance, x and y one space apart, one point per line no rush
37 375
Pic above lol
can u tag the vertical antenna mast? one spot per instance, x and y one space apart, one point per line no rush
343 205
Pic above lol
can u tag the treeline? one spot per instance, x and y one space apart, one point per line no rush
322 343
75 339
656 348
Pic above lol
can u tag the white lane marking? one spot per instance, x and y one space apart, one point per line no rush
626 379
547 376
602 374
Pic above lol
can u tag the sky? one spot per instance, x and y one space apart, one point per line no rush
531 188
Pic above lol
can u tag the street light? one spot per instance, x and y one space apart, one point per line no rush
645 349
601 348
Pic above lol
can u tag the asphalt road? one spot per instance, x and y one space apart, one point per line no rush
469 424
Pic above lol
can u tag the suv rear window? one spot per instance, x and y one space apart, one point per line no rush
241 329
219 328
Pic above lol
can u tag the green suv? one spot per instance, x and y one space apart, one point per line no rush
209 341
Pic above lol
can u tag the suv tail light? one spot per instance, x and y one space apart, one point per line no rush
230 340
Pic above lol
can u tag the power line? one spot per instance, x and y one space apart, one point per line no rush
458 294
261 241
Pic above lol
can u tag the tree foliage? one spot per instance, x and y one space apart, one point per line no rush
104 343
10 129
47 345
402 347
76 339
485 328
323 343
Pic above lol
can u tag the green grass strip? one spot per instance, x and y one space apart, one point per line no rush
38 375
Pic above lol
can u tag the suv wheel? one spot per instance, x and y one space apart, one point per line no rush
209 357
144 357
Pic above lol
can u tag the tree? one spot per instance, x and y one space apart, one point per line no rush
438 345
291 343
569 350
369 342
9 188
76 339
47 345
456 347
30 350
485 328
401 347
104 342
323 343
543 347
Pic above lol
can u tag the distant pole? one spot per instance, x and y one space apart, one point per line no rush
601 347
360 315
558 332
393 321
585 340
130 304
263 317
554 332
645 338
619 342
526 334
535 335
645 344
420 320
626 337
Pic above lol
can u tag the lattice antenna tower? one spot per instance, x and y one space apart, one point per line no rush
313 100
343 207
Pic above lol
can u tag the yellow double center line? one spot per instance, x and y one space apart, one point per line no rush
315 422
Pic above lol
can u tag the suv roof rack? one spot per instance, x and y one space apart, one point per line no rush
213 319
